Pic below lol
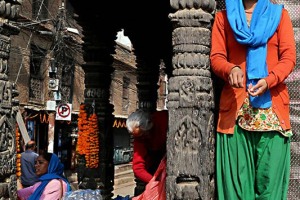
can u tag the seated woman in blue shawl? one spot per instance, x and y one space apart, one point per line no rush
52 184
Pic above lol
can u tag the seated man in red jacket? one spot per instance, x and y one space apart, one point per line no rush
150 133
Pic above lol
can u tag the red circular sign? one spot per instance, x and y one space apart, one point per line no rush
63 110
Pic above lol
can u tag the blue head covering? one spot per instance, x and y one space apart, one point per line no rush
264 22
55 171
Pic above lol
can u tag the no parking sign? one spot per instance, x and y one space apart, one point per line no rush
63 112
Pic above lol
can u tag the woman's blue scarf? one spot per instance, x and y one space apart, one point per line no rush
264 22
55 171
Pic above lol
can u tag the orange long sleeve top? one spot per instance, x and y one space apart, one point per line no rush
226 53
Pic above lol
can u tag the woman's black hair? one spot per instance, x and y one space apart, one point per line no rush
47 156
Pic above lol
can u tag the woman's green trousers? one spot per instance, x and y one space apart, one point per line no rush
252 165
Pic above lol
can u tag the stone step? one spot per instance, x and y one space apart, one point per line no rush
123 175
124 189
122 167
127 173
120 182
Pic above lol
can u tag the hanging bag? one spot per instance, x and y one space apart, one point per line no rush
156 188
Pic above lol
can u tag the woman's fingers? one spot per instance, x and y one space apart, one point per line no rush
259 88
236 78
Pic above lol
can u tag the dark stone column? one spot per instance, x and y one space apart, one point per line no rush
190 145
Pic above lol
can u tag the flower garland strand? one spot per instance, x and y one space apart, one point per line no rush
18 161
92 158
82 142
88 138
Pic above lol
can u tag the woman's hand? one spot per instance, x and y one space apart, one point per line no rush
236 77
259 88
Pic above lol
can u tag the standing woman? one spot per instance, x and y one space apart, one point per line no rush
253 51
52 183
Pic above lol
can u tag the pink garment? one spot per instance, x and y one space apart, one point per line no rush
156 188
51 192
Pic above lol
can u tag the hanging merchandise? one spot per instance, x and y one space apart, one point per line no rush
88 137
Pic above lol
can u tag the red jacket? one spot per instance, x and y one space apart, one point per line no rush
226 53
148 152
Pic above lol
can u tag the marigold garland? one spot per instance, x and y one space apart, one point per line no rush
88 137
82 131
92 158
18 160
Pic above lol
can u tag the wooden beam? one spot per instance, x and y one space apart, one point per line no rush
22 128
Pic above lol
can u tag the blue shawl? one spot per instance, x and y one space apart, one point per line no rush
55 171
265 19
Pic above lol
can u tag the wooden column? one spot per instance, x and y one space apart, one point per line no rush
190 145
9 104
147 83
98 69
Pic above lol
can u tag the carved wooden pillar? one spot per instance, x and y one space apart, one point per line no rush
8 110
147 86
190 144
9 10
147 39
147 82
97 82
98 69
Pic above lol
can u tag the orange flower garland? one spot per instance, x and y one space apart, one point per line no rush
88 138
92 158
82 131
18 161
